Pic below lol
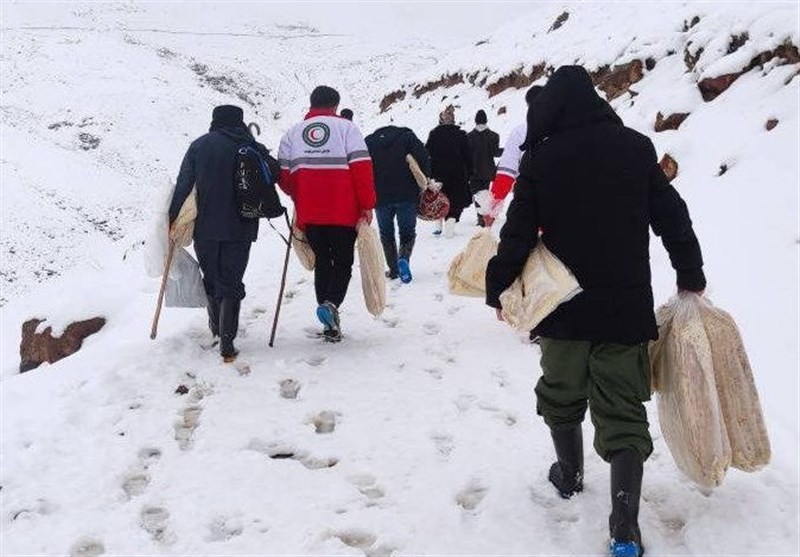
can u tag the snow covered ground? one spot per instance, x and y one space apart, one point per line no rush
417 434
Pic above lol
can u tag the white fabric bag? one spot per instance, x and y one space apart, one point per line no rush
372 264
185 283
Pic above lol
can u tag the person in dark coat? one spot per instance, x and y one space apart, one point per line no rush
451 165
484 145
594 188
397 193
347 114
222 239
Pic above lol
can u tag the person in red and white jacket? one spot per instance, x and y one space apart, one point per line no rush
508 165
327 171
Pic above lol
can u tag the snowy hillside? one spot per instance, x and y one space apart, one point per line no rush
417 434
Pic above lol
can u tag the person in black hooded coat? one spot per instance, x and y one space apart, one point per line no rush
594 188
451 163
222 238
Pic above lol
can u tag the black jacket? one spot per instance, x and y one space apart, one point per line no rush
595 188
388 147
451 162
209 164
484 147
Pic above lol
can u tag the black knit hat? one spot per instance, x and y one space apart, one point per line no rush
480 117
227 116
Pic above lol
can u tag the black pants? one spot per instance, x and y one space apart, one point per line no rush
334 252
223 265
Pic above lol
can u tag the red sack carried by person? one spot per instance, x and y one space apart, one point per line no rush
433 205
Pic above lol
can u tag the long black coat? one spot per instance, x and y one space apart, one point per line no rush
595 188
209 164
484 147
451 163
388 147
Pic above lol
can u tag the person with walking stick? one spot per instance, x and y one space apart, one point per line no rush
223 231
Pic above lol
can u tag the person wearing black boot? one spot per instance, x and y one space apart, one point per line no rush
594 189
222 239
397 193
484 146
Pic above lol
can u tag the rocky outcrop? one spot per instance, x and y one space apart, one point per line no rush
516 80
445 81
560 20
712 87
501 110
390 99
771 123
671 122
616 81
37 348
669 166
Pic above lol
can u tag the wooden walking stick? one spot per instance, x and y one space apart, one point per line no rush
283 283
170 253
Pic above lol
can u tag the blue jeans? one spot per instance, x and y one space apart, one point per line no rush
406 215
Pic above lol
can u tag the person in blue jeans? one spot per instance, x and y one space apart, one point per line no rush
397 193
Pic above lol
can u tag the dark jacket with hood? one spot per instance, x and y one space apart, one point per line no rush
388 147
484 146
451 162
209 165
595 188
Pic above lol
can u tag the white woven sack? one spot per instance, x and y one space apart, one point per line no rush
302 249
372 263
736 387
544 284
688 405
466 275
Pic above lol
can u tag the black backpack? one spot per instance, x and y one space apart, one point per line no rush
255 175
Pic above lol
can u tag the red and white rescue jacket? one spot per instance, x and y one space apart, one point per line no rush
508 165
326 170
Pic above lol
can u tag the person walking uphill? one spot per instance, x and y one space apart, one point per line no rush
397 193
327 171
451 165
484 146
595 188
222 239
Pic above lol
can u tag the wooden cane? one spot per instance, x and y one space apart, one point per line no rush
170 253
283 285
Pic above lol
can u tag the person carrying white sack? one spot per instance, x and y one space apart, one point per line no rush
594 188
491 203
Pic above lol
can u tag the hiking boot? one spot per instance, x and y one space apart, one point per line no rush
228 327
213 315
328 315
391 275
566 474
627 467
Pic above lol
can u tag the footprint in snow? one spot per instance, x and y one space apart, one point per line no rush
324 422
315 360
364 541
431 328
444 443
438 296
501 377
434 372
223 529
471 496
184 429
149 456
390 322
154 521
87 547
367 486
135 484
289 388
452 310
280 451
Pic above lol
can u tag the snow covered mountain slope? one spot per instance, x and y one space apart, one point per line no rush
417 434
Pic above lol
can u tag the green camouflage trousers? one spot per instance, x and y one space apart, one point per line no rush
613 380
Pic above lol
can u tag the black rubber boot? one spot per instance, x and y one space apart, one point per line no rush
213 315
627 467
566 474
390 252
406 248
228 327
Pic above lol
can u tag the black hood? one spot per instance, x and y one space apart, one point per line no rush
569 100
226 116
386 136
